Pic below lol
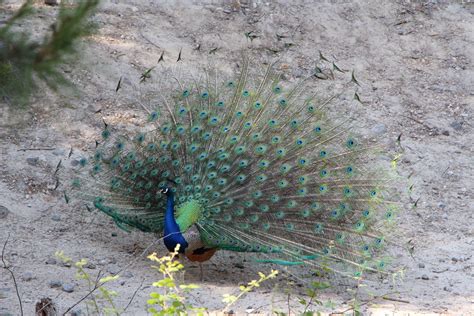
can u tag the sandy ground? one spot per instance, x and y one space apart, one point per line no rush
414 60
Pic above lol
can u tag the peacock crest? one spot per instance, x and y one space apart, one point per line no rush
253 164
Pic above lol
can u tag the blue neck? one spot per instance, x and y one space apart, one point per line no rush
172 232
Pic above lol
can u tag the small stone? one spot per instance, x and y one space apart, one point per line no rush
385 281
52 2
74 162
457 126
51 261
66 264
447 289
56 217
3 212
28 276
441 205
76 312
425 277
122 282
32 161
90 265
445 133
239 265
454 259
421 265
55 283
379 129
127 274
59 152
68 288
102 262
114 234
445 216
113 270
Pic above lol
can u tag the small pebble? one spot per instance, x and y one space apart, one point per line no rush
32 161
421 265
90 265
51 261
74 162
425 277
102 262
239 265
52 2
114 234
56 217
76 312
127 274
67 287
122 282
445 133
113 270
59 152
28 276
55 283
3 212
457 126
379 129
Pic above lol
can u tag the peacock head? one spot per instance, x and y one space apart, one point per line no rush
167 191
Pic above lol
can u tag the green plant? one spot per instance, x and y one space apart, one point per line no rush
244 289
103 301
173 301
24 61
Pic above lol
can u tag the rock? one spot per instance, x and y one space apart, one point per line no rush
59 152
56 217
127 274
425 277
76 312
113 269
239 265
114 234
55 283
28 276
3 212
68 287
90 265
445 133
74 162
102 262
52 2
379 129
51 261
457 126
122 282
421 265
32 161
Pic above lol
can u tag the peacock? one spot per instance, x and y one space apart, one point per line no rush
247 163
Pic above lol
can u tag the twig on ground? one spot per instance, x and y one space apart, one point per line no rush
133 296
6 267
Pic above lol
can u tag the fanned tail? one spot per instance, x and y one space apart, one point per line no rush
271 171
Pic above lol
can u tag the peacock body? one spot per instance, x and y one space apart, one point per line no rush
246 165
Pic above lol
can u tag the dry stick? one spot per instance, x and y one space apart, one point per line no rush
6 267
97 284
133 296
371 300
40 148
